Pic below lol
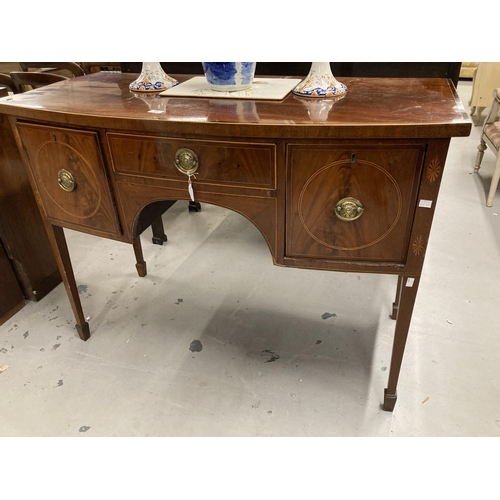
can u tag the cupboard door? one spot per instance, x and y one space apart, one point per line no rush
69 173
353 202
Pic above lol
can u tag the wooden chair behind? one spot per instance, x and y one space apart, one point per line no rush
6 85
28 80
95 67
72 67
490 137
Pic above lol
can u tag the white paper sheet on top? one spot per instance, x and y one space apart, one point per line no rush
262 88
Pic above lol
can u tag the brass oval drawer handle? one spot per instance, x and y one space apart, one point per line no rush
349 209
66 180
186 161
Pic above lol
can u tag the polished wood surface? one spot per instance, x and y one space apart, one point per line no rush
405 107
291 167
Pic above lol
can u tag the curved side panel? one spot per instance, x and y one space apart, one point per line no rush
261 211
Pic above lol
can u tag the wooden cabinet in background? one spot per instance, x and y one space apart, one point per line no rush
11 295
22 230
486 79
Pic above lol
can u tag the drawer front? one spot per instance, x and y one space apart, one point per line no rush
351 202
223 163
70 177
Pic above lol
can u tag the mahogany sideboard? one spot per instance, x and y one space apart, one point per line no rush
341 185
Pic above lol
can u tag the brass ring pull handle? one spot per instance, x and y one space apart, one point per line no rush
186 161
66 180
349 209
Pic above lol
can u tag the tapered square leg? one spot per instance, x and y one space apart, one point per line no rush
83 331
159 235
395 304
61 253
408 286
194 206
140 263
389 401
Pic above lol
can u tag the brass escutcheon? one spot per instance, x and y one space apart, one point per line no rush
186 161
66 180
349 209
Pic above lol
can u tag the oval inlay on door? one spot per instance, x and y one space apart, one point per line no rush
373 186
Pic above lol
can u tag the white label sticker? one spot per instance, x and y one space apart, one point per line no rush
190 187
425 203
410 281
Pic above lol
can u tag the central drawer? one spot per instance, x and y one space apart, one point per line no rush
250 165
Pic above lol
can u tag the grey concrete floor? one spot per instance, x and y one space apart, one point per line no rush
216 341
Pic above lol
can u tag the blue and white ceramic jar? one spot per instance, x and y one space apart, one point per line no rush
229 76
